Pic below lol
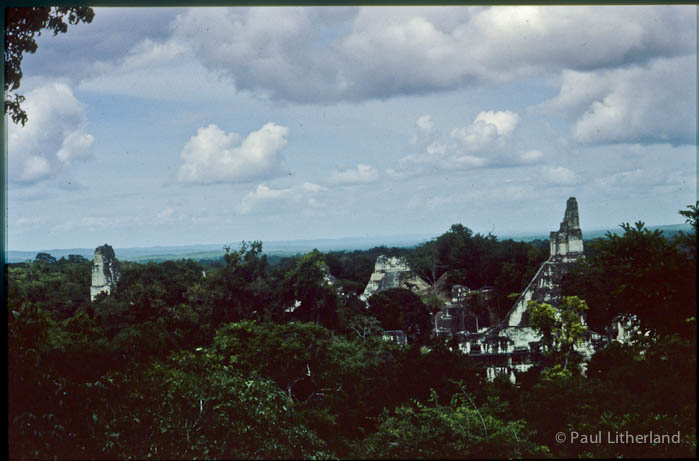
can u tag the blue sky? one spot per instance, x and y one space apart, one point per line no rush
186 126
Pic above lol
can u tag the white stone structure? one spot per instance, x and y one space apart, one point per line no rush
566 250
507 348
567 242
392 272
105 271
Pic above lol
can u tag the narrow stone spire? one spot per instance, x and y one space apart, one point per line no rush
571 219
568 240
106 271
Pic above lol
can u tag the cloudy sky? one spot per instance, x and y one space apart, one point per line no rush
185 126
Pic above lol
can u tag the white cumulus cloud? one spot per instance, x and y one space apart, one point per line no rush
311 55
489 129
329 54
653 103
265 198
378 52
266 50
148 53
531 156
54 136
425 124
165 70
362 174
213 156
486 142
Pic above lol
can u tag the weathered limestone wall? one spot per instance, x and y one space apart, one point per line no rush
521 337
393 264
392 272
106 271
545 287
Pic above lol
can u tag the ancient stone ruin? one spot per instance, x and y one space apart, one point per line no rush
392 272
461 313
105 271
397 336
511 347
566 250
567 243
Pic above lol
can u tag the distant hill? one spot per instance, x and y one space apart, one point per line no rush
293 247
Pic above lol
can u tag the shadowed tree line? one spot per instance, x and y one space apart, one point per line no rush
239 358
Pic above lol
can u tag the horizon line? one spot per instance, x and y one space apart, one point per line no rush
411 237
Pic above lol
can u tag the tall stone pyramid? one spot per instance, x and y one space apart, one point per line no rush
566 250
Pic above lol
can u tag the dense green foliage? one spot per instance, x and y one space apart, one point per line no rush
57 286
454 431
639 273
477 261
401 309
562 327
456 257
245 359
